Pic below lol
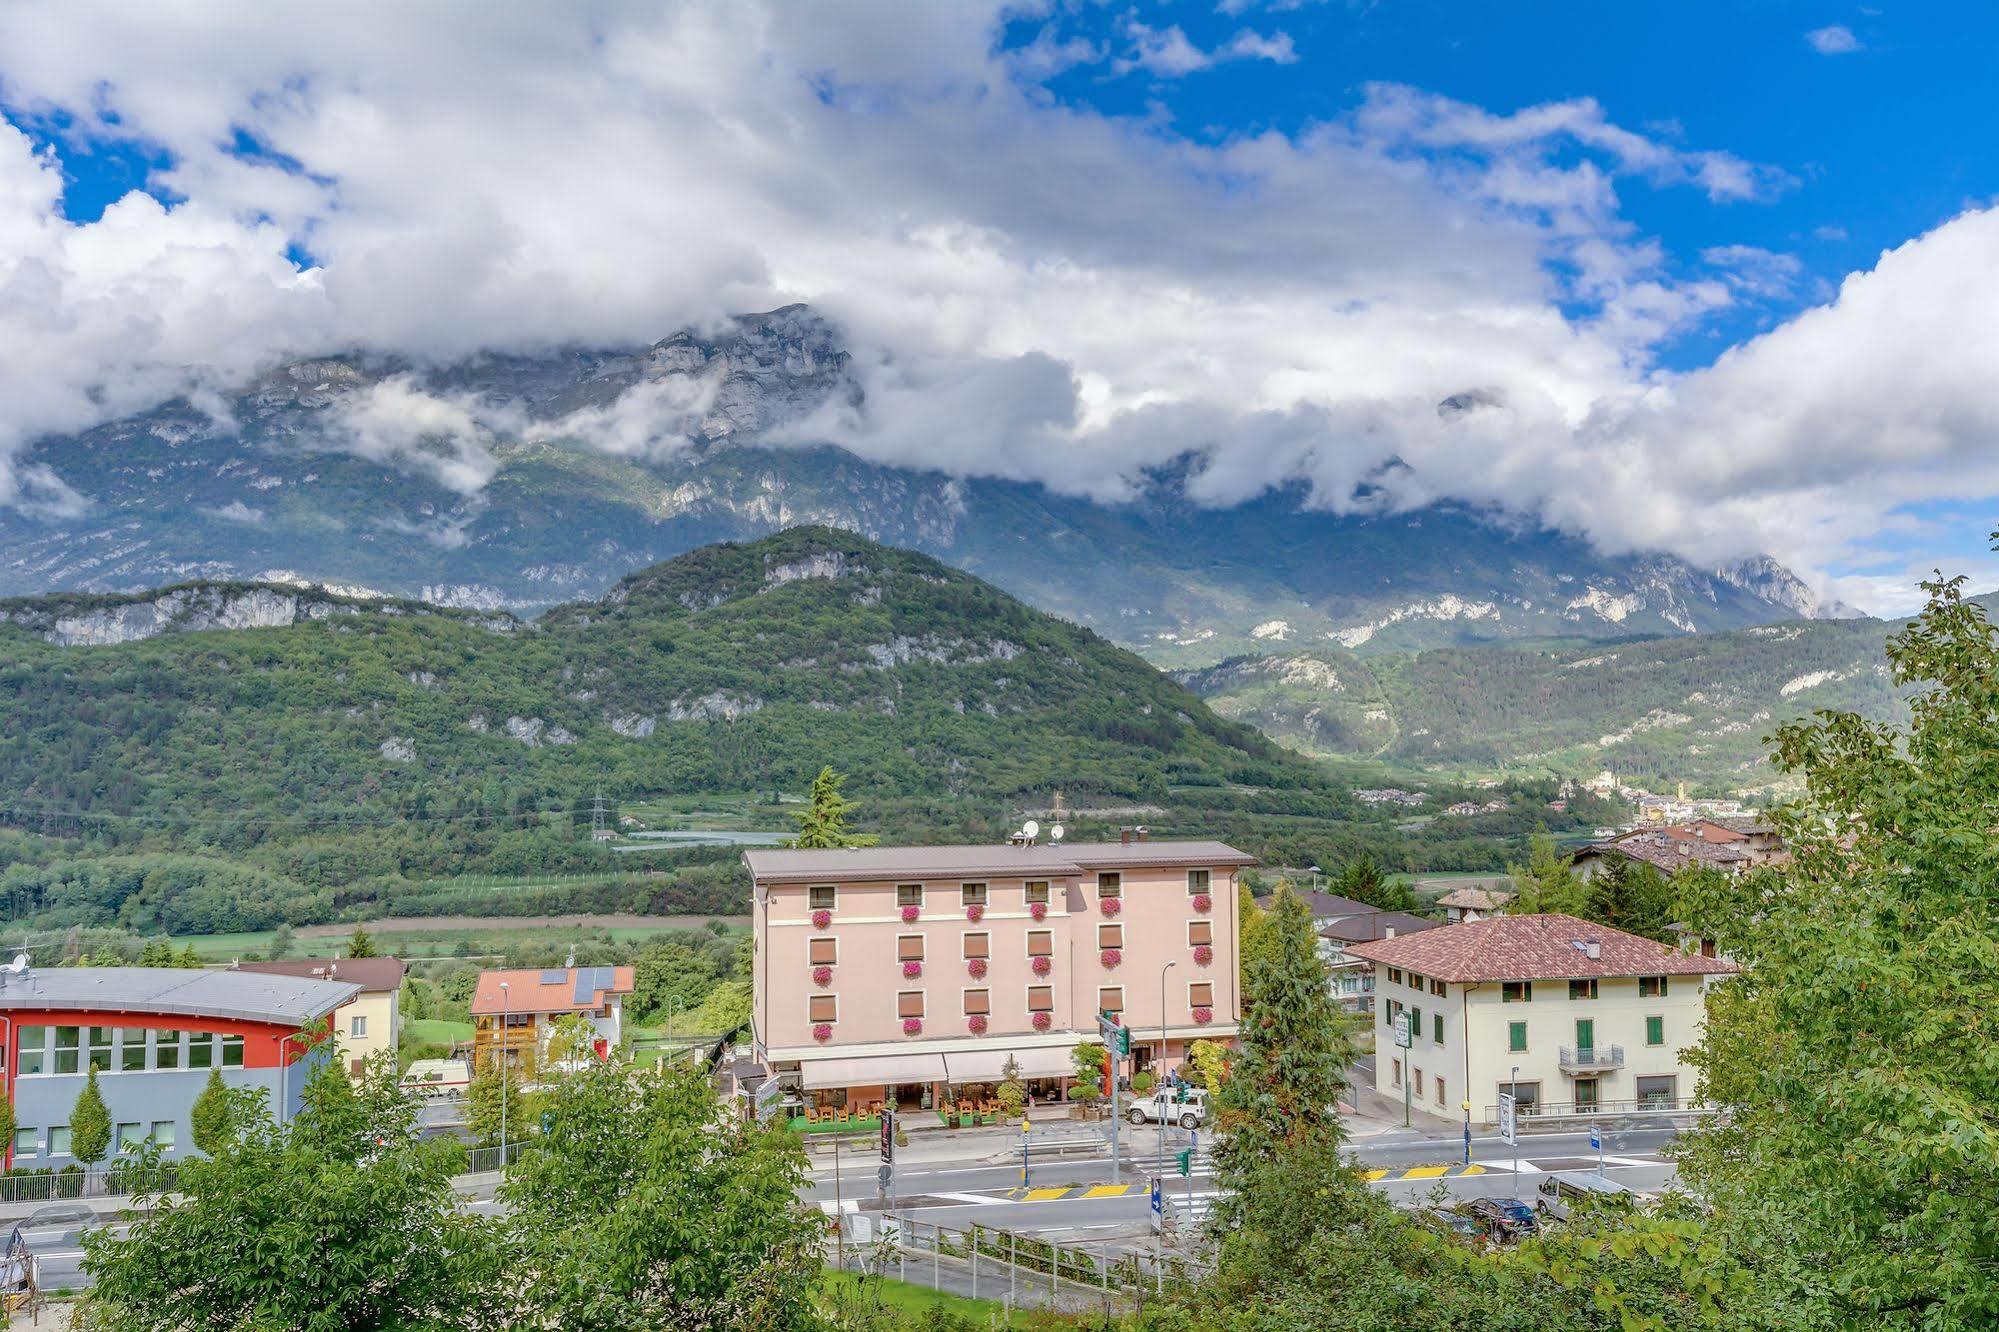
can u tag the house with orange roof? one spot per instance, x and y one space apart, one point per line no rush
514 1012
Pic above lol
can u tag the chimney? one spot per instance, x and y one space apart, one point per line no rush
1593 950
1143 832
1124 835
1388 931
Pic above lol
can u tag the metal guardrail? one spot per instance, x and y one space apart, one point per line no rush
1583 1109
1601 1056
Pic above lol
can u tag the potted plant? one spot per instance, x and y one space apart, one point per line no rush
1042 1021
1038 910
1203 903
1084 1096
821 918
910 913
1204 1016
1203 954
1110 957
1110 906
975 913
911 970
976 1024
1142 1081
822 1031
912 1026
1041 966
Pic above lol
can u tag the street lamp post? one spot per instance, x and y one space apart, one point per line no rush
1170 964
506 1035
672 1005
1513 1090
1467 1109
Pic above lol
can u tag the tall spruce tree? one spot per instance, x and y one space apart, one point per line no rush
361 943
90 1124
1546 883
822 824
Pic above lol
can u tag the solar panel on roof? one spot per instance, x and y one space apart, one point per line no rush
589 980
554 977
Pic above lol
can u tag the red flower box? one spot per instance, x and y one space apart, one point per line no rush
1204 1016
821 919
910 913
1110 906
1042 1022
1203 903
911 970
977 966
1203 954
1042 966
1038 910
822 1031
912 1026
822 976
976 1024
975 913
1111 957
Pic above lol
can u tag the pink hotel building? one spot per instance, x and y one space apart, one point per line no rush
893 972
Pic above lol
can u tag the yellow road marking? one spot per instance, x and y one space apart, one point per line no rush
1424 1172
1373 1175
1472 1170
1109 1191
1045 1195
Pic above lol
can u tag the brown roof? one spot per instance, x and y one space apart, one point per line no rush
986 861
1541 947
553 990
1375 925
1475 899
1667 851
372 974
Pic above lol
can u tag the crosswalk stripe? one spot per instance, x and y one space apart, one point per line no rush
1371 1175
1472 1170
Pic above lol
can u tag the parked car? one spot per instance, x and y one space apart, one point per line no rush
1454 1223
58 1223
1505 1218
1187 1107
1560 1193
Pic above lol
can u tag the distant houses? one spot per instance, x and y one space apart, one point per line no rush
1342 921
514 1012
372 1020
1730 847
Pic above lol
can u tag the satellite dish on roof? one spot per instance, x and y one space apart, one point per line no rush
1055 833
1030 829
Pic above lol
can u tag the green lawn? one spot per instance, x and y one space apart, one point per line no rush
436 1031
906 1297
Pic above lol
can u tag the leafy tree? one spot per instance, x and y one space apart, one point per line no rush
415 998
677 971
209 1118
188 958
1858 1168
822 824
157 953
1632 895
281 944
1546 883
361 943
642 1208
483 1102
8 1123
1012 1091
90 1124
1210 1060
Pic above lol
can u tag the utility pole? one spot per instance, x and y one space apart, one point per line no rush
839 1214
506 1074
597 816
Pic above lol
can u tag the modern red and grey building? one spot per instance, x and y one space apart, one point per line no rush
153 1034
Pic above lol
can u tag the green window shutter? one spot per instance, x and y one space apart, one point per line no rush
1655 1031
1437 1027
1516 1036
1585 1034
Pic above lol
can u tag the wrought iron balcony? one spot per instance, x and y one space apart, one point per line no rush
1597 1059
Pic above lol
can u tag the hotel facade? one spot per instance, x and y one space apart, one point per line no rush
900 974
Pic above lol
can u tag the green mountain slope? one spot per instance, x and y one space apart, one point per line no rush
1654 711
341 743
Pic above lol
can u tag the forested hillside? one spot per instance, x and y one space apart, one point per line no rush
1654 711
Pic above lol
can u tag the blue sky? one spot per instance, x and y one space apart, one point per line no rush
1723 272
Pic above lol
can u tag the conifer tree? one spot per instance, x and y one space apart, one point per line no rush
822 825
90 1124
361 944
209 1118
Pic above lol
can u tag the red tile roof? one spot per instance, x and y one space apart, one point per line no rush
1667 851
527 992
373 974
1540 947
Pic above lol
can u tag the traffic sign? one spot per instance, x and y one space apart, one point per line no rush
1405 1029
884 1174
1507 1126
888 1138
1158 1207
1595 1139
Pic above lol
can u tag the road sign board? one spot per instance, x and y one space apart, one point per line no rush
885 1175
1405 1029
1158 1205
888 1137
1595 1139
1507 1126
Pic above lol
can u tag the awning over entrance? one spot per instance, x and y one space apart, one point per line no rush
877 1070
989 1065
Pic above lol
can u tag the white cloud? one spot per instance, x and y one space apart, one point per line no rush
1837 39
1168 53
1031 289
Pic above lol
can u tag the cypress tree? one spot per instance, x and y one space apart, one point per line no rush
90 1124
209 1118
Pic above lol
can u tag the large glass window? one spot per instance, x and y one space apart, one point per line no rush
163 1134
100 1039
26 1142
59 1140
166 1049
34 1051
130 1135
67 1041
200 1049
132 1050
232 1052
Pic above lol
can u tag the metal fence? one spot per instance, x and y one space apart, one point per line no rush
1587 1109
1019 1271
63 1185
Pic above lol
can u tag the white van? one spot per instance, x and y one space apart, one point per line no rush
1561 1191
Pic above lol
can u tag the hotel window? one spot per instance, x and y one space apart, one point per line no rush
909 948
979 945
1110 936
1437 1028
67 1040
823 951
819 897
909 894
129 1136
1200 932
34 1050
99 1039
166 1049
1419 1081
1440 1091
132 1050
358 1028
1516 992
1415 981
823 1008
1655 1030
1441 990
1197 882
1582 989
1110 999
201 1047
232 1052
1516 1037
1041 998
1396 1069
978 1001
26 1142
972 894
909 1004
1395 975
1201 994
59 1140
1651 987
1041 943
1037 891
1392 1010
1109 885
163 1134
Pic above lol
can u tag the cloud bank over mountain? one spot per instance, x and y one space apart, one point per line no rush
1032 288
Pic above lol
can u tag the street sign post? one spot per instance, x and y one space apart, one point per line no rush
1596 1143
885 1176
1405 1029
1117 1042
767 1097
1507 1129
